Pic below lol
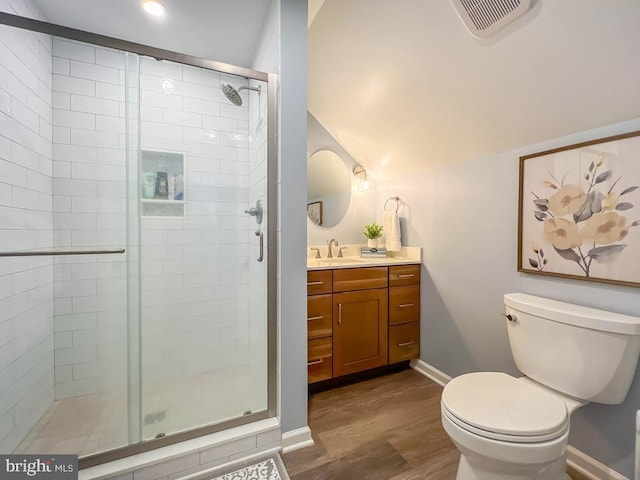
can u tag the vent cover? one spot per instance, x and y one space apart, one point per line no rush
484 17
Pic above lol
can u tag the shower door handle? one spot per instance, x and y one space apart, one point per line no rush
261 235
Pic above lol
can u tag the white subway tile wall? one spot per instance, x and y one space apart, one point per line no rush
26 284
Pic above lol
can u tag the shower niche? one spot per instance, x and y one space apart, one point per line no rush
162 183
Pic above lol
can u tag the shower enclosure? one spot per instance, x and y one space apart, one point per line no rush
137 264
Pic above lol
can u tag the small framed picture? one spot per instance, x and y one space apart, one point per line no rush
314 210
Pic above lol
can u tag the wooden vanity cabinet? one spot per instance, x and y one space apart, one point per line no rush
361 318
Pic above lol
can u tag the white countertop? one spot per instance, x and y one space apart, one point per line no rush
408 255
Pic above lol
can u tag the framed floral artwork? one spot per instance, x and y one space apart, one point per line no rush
579 211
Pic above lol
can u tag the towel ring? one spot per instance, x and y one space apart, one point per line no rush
395 199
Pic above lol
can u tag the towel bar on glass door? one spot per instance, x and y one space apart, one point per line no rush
40 253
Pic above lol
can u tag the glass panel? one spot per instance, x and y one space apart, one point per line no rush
203 334
70 379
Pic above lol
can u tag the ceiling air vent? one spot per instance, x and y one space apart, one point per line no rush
484 17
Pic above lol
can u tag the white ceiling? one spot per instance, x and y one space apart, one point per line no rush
222 30
403 86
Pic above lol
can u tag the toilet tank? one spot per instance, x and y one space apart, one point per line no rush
583 352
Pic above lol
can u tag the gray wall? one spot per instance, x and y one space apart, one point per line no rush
464 216
293 215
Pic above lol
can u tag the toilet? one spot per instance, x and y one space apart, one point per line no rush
509 428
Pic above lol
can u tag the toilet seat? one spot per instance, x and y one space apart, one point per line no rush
500 407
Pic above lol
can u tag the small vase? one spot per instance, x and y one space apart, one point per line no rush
372 243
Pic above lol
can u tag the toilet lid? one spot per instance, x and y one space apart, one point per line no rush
499 403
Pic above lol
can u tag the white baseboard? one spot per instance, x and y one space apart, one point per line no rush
296 439
579 461
431 372
590 467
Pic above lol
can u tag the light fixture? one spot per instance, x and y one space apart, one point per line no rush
153 7
361 174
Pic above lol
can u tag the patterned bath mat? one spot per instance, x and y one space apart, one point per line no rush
271 468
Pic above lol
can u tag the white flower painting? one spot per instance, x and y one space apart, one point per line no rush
579 214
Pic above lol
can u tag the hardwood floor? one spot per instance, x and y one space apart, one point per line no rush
386 428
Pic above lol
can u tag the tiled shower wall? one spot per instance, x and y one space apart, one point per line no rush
195 287
26 284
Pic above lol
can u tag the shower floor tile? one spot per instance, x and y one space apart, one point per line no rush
95 423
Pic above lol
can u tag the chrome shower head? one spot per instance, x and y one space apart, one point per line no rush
233 94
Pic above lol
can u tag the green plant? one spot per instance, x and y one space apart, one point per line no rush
372 231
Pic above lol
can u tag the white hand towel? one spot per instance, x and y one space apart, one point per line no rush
391 231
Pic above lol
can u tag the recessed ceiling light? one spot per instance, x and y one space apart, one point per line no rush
153 7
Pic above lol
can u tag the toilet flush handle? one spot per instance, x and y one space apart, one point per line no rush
511 318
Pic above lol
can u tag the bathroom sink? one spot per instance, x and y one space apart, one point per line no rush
342 261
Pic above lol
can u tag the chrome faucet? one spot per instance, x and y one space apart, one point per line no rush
331 243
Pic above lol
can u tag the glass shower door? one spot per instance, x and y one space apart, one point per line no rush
203 258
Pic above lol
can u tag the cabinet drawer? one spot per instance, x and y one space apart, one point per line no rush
319 316
318 281
347 279
404 304
404 342
404 275
319 365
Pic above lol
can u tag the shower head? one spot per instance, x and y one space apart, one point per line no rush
233 94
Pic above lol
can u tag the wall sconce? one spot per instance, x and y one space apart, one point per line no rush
361 175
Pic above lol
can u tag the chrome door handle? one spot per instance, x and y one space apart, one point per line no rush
261 235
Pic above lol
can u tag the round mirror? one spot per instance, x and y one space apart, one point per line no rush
328 188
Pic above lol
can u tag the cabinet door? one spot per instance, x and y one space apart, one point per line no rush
360 331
